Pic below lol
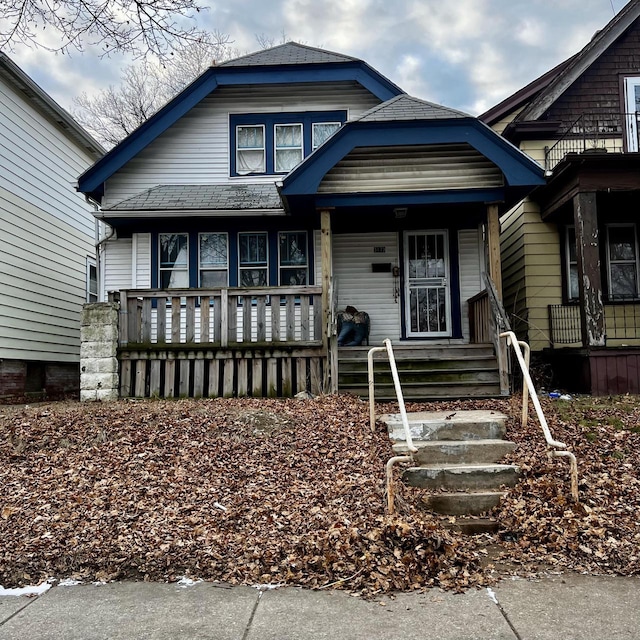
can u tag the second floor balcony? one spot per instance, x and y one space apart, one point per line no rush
596 133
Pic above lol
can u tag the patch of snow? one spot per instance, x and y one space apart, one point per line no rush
69 582
268 587
217 505
185 582
33 590
492 595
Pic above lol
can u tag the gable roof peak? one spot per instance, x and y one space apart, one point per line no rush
406 107
289 53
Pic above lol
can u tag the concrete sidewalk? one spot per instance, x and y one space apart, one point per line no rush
556 608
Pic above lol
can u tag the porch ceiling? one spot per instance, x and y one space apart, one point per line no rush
587 172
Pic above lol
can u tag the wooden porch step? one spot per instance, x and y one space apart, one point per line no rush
422 376
465 363
420 352
431 391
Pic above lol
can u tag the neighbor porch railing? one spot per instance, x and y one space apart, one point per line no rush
487 320
621 318
594 132
223 317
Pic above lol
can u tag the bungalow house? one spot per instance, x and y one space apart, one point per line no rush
284 185
570 254
47 257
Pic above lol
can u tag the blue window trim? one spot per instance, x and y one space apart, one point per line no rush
306 118
233 257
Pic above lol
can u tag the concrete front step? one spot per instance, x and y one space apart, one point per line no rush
448 425
461 477
473 526
458 503
457 451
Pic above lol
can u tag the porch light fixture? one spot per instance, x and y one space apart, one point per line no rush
400 212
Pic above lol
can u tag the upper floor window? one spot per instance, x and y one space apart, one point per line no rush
271 143
174 260
250 151
632 108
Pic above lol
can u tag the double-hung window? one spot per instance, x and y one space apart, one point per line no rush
92 280
293 261
288 147
321 132
572 264
174 260
253 259
622 261
213 257
272 143
250 149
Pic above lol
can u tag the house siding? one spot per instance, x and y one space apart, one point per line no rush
353 255
117 261
598 90
471 268
195 150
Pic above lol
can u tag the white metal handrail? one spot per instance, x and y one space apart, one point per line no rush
555 448
403 415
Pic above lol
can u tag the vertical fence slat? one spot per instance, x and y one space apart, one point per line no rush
291 318
243 377
190 318
272 377
184 378
169 378
304 317
301 374
275 318
125 378
205 310
175 319
232 319
317 319
161 315
154 379
132 316
247 308
227 384
256 381
217 318
198 377
214 378
261 318
315 375
287 381
140 383
146 320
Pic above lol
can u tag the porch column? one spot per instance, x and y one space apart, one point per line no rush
585 216
326 267
493 241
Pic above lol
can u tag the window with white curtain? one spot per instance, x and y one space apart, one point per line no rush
288 146
174 260
250 149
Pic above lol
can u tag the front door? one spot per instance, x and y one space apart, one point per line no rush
427 296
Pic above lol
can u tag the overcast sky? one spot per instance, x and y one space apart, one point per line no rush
466 54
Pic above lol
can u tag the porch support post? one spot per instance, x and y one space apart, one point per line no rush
585 216
493 241
326 266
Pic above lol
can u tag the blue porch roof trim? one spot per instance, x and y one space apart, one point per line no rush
91 181
519 170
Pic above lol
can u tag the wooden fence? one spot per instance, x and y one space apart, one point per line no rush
261 342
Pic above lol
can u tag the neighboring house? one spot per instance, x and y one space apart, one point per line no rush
571 262
47 256
277 188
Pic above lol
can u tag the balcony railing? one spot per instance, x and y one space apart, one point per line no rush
592 133
221 317
622 321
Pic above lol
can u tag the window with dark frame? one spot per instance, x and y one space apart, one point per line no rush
213 258
253 259
293 259
622 261
250 149
173 260
288 149
92 280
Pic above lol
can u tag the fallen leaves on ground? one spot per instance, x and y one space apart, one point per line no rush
249 491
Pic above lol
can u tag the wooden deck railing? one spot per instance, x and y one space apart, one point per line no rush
480 318
224 317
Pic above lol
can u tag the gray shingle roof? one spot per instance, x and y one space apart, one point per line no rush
406 107
286 54
215 197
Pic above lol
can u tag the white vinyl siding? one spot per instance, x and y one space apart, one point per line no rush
42 283
117 261
358 286
141 246
471 268
195 150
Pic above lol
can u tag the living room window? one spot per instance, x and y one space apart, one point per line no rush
174 260
293 262
622 261
272 143
213 257
253 259
572 264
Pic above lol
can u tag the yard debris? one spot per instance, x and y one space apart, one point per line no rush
257 491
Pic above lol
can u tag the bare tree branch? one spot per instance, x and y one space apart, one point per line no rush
138 27
145 87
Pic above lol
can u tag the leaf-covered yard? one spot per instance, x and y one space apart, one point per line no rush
289 491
